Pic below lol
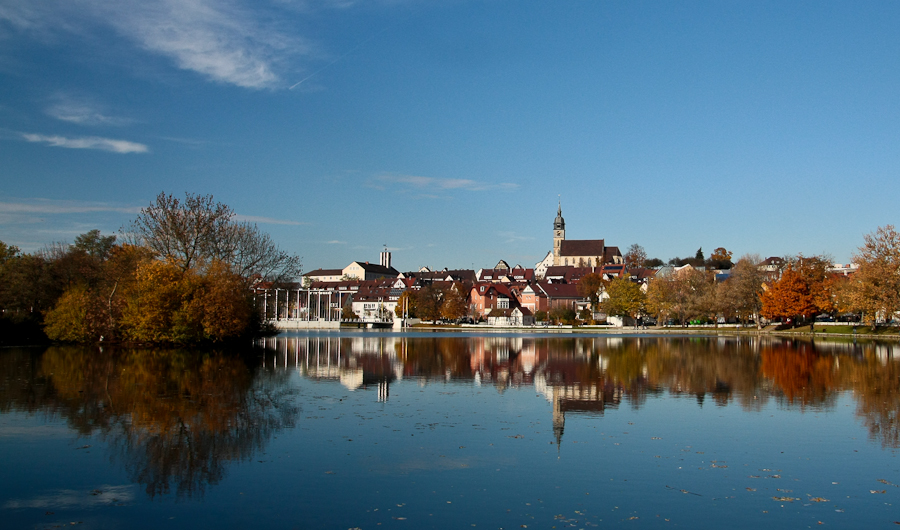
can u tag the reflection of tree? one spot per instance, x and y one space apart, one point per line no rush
800 373
173 417
583 374
876 387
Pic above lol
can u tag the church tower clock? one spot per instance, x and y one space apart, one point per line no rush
559 234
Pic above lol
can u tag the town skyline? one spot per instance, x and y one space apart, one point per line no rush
447 131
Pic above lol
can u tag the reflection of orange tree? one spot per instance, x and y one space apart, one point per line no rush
174 417
799 372
876 387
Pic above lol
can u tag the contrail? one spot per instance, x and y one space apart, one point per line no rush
348 52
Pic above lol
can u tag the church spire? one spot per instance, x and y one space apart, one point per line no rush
559 223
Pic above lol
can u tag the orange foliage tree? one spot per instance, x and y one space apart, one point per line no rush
789 297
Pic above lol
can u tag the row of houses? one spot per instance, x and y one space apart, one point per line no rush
504 294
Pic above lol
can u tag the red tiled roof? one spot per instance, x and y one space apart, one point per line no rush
582 247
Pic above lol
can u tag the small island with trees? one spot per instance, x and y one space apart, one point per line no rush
181 274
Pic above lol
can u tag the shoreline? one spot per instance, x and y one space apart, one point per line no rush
698 331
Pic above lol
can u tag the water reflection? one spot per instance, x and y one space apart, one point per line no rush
587 375
173 418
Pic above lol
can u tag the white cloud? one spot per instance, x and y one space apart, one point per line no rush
437 184
227 41
512 237
82 112
88 142
54 207
335 242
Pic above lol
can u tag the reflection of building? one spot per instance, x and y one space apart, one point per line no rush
585 375
357 363
591 398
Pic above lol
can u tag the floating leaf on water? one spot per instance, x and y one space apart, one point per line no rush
786 499
818 499
876 491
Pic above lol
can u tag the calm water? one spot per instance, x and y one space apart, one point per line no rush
370 430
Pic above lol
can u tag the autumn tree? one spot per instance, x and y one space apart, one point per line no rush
788 297
94 244
739 295
428 302
814 271
635 257
589 287
455 304
720 259
660 299
874 289
624 298
169 305
406 304
194 232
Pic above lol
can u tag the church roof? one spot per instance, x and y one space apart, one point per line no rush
582 247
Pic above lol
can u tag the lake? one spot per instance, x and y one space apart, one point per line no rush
445 430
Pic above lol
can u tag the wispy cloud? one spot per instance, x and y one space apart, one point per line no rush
335 242
88 142
512 237
419 183
218 39
266 220
82 112
54 207
228 41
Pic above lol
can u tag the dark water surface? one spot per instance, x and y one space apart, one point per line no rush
372 430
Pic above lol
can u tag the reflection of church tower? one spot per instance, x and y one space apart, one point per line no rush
559 417
559 233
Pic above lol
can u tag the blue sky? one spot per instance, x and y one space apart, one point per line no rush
447 130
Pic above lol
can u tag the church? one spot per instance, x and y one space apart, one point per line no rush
577 252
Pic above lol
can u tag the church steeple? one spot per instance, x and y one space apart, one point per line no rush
559 223
559 233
